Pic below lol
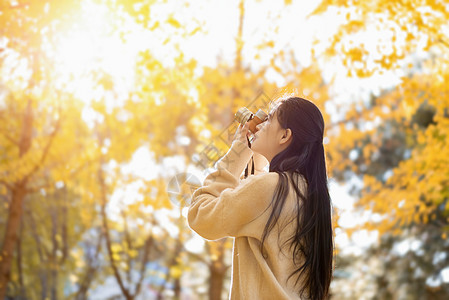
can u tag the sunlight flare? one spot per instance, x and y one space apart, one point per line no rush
92 56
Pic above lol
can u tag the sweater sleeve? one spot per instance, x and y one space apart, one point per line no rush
223 205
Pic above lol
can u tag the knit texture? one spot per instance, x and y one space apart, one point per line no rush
227 205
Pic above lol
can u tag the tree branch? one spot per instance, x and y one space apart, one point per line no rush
129 245
8 186
73 172
36 236
108 238
445 43
19 6
36 189
65 246
90 271
146 252
10 138
19 260
46 149
198 257
172 263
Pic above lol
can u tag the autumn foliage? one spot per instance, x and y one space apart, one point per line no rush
102 105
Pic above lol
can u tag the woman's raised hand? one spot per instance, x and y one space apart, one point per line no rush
242 133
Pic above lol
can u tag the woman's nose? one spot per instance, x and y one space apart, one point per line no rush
259 126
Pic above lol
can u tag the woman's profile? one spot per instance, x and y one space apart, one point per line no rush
281 219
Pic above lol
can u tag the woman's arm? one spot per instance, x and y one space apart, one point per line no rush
224 204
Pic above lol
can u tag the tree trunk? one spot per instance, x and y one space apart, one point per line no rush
177 288
103 199
16 208
92 267
54 263
217 270
217 273
19 262
10 239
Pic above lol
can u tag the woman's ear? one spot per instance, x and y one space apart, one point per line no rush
287 136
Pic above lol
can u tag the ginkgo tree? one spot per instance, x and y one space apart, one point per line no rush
47 146
35 117
396 140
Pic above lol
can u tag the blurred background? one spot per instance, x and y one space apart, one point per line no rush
113 111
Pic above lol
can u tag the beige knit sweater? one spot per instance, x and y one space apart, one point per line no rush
229 206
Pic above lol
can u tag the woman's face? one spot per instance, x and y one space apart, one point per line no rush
271 138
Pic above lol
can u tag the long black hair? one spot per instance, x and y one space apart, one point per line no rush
312 243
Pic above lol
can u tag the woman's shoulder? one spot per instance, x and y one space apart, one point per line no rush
260 186
273 177
265 183
264 178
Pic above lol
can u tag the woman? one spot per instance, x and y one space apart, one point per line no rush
281 219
